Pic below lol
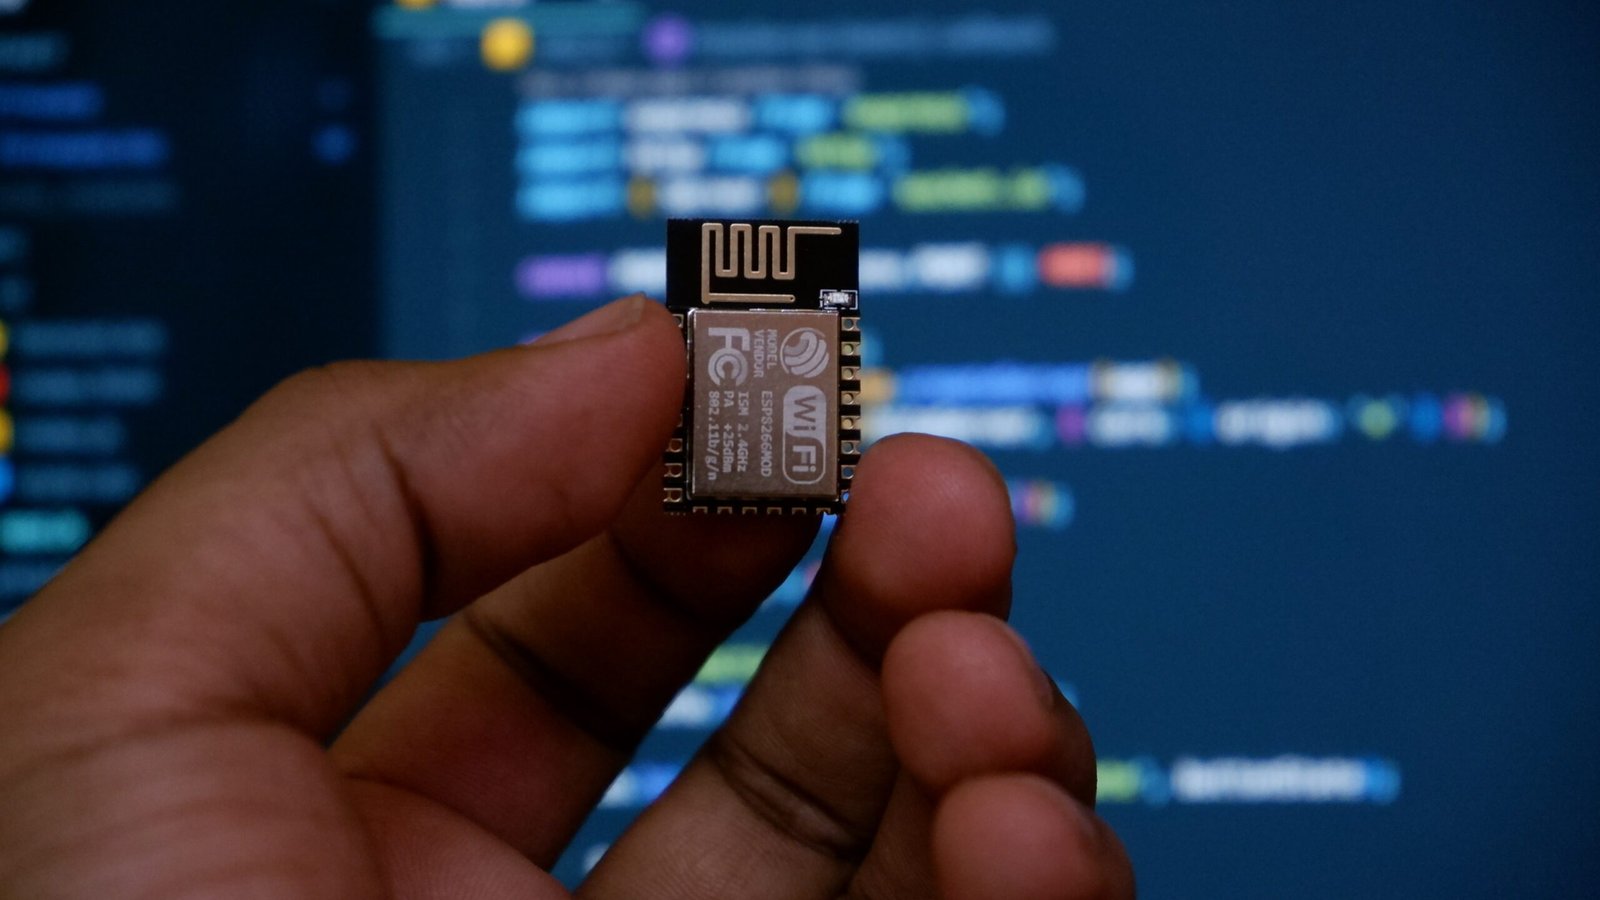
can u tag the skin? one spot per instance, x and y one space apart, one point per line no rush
184 711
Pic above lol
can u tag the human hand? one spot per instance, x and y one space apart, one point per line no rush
166 703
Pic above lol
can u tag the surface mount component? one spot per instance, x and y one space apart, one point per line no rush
771 324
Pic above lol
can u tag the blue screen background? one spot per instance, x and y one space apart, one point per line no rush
1281 321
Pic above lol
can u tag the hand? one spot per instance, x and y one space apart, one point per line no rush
166 703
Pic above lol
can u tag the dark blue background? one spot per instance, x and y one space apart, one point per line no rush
1323 200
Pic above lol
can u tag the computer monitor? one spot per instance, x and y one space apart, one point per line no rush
1279 319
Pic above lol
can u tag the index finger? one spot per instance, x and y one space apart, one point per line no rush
570 664
277 570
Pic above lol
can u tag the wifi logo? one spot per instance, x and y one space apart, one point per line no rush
805 353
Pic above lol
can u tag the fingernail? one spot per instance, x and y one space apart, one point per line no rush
609 319
1043 687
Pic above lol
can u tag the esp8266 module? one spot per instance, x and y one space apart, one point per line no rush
770 313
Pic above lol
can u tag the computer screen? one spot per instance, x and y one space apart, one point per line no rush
1280 320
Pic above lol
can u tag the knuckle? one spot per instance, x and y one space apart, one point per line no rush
779 800
339 384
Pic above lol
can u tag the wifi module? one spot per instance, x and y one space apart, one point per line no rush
772 412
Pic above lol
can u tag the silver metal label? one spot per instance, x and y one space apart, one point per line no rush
765 404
